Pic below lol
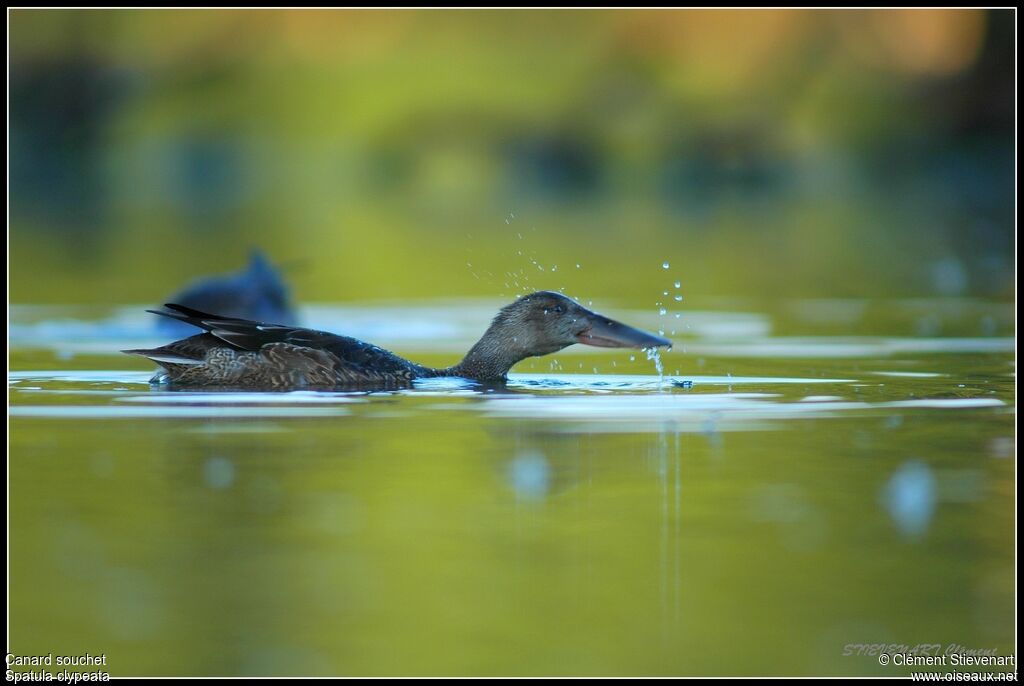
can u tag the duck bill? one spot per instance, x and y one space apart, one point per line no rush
608 333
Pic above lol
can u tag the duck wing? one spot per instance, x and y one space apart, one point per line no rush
243 334
322 358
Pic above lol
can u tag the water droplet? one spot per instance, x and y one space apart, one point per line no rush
664 265
678 284
679 298
662 311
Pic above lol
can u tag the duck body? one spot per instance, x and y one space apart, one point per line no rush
246 354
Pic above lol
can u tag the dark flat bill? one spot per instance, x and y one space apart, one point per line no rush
608 333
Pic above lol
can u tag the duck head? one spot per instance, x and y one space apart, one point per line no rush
542 323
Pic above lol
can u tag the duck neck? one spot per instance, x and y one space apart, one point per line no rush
491 358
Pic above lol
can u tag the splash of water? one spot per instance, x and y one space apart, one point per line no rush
655 355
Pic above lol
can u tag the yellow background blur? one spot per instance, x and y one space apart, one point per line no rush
410 154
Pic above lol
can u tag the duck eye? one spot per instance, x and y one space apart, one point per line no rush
557 309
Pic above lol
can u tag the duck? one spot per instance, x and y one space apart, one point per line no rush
257 292
245 354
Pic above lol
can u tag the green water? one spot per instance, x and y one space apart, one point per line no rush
807 494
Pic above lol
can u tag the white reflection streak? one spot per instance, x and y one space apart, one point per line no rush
663 478
678 527
671 533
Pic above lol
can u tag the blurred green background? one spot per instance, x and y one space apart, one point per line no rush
401 154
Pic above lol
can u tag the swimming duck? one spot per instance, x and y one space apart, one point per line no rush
257 292
239 353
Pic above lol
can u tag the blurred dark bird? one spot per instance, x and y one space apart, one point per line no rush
257 292
238 353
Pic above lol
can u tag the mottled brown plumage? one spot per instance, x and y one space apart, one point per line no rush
238 353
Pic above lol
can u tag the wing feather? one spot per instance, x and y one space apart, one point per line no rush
278 356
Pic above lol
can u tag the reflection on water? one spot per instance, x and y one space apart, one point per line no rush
754 512
910 497
528 475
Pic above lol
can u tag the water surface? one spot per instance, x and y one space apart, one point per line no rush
805 476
